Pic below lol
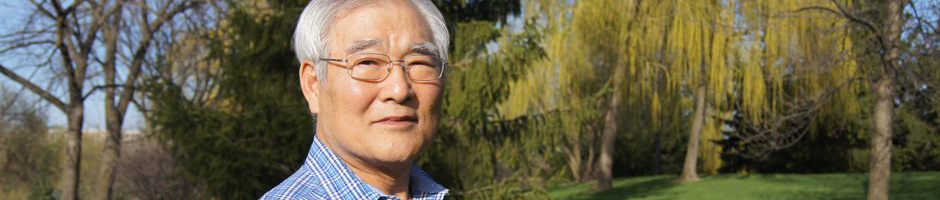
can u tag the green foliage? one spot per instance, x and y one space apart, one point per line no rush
253 133
917 140
29 154
661 146
461 11
477 153
457 12
42 191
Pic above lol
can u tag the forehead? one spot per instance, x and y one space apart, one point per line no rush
388 24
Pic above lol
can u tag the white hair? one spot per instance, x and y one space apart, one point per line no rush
314 24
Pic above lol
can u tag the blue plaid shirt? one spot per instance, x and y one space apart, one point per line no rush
326 176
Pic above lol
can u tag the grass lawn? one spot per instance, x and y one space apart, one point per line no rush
906 185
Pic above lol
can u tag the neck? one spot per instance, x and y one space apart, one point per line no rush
391 179
393 182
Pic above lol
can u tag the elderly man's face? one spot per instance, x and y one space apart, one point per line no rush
388 121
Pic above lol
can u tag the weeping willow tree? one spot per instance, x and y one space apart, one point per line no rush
574 81
699 49
794 65
787 67
602 55
775 64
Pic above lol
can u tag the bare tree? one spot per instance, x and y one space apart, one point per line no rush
136 35
72 35
76 31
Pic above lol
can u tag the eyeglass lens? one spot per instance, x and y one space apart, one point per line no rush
376 66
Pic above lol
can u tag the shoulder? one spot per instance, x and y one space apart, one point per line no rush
303 184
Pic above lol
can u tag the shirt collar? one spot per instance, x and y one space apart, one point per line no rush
345 180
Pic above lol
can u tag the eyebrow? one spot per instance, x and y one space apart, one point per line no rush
360 45
426 48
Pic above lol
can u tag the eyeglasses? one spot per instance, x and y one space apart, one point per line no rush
376 67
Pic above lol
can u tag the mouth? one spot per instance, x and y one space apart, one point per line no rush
398 121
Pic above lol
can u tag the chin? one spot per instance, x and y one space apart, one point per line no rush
397 147
394 157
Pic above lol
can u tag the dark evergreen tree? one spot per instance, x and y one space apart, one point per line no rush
255 132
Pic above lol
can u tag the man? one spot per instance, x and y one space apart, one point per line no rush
372 74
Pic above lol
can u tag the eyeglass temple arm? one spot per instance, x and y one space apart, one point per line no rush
333 59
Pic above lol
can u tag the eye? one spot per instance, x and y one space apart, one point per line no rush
368 63
421 64
421 61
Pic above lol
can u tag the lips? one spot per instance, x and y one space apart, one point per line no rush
398 119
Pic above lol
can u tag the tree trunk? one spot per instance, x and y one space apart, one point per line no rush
111 154
879 173
574 157
880 161
73 155
657 150
698 121
605 161
113 115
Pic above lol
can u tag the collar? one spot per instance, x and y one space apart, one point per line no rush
338 180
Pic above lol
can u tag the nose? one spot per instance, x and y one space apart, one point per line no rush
396 87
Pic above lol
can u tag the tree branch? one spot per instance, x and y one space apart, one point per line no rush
139 55
105 86
42 10
841 12
25 44
32 87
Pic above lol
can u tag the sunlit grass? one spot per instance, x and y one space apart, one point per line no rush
907 185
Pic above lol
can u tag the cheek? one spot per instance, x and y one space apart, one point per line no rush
429 97
357 98
350 100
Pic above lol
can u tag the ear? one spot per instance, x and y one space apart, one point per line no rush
309 85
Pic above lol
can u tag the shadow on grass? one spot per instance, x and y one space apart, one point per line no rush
904 185
915 185
652 187
816 186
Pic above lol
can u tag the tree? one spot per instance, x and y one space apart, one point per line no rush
137 39
787 67
28 156
886 35
236 111
704 55
880 168
791 79
80 29
58 29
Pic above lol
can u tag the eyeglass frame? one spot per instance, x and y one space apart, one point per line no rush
388 68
